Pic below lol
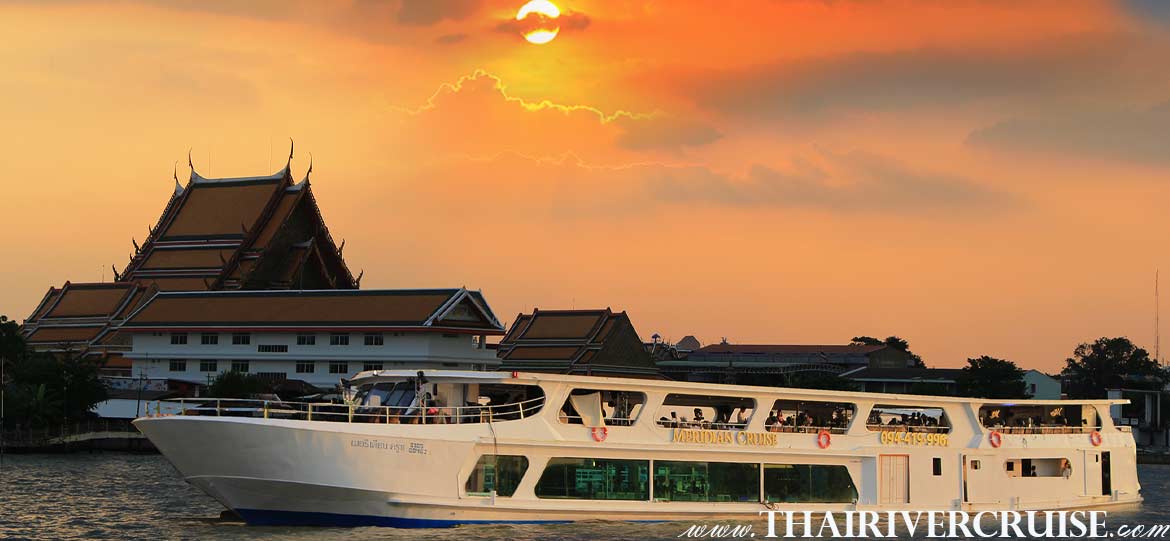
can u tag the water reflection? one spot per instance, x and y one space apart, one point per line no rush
122 496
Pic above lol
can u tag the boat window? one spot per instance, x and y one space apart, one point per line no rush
393 394
505 401
706 481
808 483
1038 467
501 473
595 479
1040 418
618 408
903 418
409 402
706 412
810 416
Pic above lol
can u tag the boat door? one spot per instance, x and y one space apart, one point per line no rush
1106 475
979 480
895 479
1094 473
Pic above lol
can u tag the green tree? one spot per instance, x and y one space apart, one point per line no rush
1111 363
11 342
892 342
989 377
44 389
233 384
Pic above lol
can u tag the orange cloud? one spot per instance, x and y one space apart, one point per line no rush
497 85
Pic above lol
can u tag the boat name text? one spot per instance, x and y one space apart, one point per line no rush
724 437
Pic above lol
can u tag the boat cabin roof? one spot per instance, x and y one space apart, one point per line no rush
683 387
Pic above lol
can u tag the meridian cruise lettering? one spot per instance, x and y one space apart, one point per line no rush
724 437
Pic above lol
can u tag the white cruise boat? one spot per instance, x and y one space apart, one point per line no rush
446 448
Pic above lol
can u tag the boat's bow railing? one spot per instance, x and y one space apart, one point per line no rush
357 413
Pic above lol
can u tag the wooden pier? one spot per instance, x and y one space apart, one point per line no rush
97 434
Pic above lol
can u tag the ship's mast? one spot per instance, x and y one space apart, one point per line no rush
1157 326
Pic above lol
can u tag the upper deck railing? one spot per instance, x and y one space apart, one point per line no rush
1042 429
488 413
926 429
357 413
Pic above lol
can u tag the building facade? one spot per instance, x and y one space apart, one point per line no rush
908 380
1041 386
771 364
317 337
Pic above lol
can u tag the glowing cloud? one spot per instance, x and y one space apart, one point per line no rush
498 84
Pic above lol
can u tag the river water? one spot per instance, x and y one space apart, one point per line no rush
127 496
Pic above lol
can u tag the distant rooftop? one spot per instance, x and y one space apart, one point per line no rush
789 349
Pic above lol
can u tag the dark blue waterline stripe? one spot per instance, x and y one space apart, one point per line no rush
265 517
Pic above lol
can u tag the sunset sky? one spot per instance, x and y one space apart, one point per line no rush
978 177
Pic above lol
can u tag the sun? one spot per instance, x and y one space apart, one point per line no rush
545 10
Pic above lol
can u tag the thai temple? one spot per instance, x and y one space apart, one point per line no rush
214 234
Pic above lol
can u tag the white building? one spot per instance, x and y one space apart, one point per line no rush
317 337
1041 386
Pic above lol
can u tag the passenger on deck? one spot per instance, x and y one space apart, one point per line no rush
772 422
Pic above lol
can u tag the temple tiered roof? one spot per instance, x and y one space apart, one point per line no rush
241 233
244 233
595 342
434 310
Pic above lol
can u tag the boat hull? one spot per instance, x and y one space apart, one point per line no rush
351 474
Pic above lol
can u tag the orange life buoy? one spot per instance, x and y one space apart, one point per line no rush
995 438
1095 438
599 433
824 439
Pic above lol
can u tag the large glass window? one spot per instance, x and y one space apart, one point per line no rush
618 408
808 483
501 473
809 416
595 479
900 418
706 481
706 412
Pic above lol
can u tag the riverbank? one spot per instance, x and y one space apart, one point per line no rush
96 434
1153 456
